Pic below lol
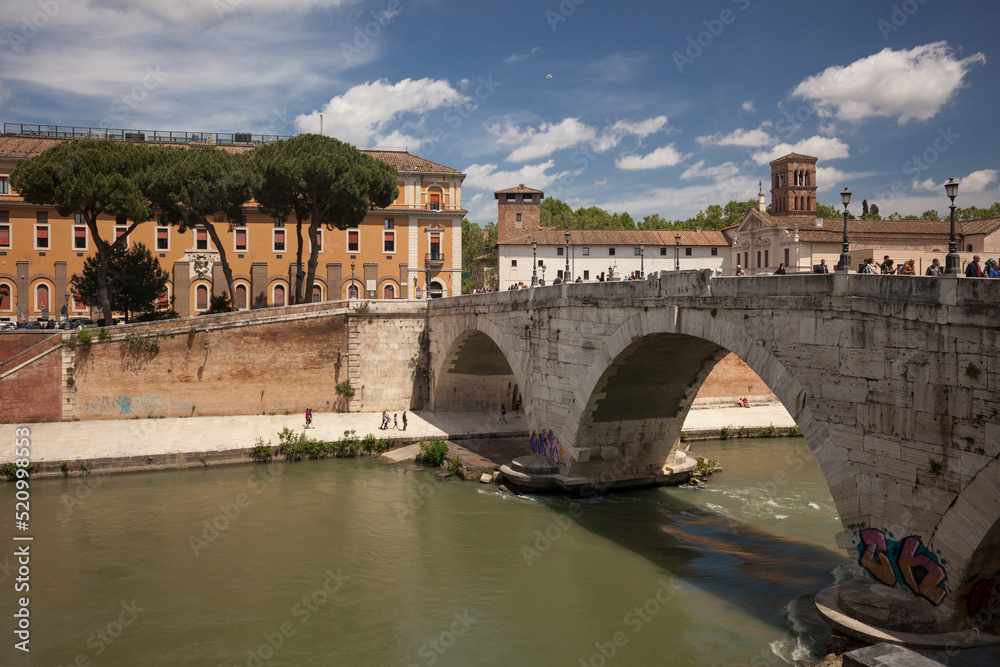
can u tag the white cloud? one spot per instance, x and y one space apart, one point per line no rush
363 115
906 85
666 156
718 172
749 106
486 176
831 178
518 57
199 12
824 148
533 144
974 183
741 137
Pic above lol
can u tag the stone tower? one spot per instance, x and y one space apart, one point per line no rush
519 212
793 185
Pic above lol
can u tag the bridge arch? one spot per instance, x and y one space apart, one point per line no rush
472 373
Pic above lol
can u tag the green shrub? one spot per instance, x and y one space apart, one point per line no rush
454 464
261 451
103 334
9 470
85 337
345 389
434 452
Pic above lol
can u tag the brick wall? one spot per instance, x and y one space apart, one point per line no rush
34 392
275 367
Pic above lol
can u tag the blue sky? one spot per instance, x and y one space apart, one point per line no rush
651 107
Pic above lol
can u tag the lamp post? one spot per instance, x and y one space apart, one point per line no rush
566 277
677 252
952 262
845 254
534 263
642 260
352 284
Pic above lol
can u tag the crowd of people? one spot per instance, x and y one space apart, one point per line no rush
991 269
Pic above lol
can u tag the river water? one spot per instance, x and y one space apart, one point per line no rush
352 562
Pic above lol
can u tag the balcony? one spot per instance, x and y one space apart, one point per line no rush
434 259
433 206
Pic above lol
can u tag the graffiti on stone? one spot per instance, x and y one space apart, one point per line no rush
546 444
904 562
126 405
982 598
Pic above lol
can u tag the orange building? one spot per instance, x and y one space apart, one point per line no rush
401 252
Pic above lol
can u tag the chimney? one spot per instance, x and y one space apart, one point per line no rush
698 230
818 222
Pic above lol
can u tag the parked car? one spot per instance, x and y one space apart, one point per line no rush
4 326
30 325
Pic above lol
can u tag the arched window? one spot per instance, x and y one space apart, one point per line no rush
352 292
241 297
279 296
6 296
389 292
969 248
201 297
42 297
317 294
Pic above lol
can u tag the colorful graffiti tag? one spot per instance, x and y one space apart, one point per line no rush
547 445
124 405
907 562
982 598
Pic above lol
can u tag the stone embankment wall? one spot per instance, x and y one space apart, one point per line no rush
281 361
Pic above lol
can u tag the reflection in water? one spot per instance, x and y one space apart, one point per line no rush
351 562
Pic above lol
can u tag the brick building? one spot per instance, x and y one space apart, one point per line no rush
412 249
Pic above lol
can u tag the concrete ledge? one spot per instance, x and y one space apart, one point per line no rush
828 605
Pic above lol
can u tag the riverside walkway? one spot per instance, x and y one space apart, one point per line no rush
173 443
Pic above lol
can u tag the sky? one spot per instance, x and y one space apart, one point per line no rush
643 107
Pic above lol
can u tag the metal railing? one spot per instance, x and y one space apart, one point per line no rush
150 136
434 258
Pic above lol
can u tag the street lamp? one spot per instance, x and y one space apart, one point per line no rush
642 260
566 277
534 263
845 254
952 262
352 283
677 252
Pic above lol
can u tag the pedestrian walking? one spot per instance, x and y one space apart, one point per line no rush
503 414
385 421
395 423
404 420
309 417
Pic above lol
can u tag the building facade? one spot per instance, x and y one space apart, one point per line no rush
792 233
526 248
412 249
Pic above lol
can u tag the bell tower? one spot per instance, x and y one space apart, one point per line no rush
793 185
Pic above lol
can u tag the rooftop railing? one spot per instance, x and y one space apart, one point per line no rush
150 136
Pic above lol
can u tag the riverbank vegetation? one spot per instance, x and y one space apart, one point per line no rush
293 446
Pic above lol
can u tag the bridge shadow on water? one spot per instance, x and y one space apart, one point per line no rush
758 572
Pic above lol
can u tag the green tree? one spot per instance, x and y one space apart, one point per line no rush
199 187
828 212
930 214
864 209
135 280
874 212
333 183
654 221
479 256
220 304
91 177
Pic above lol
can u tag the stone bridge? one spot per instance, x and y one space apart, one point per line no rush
893 381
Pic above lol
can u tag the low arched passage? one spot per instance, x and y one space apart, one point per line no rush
655 364
474 375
